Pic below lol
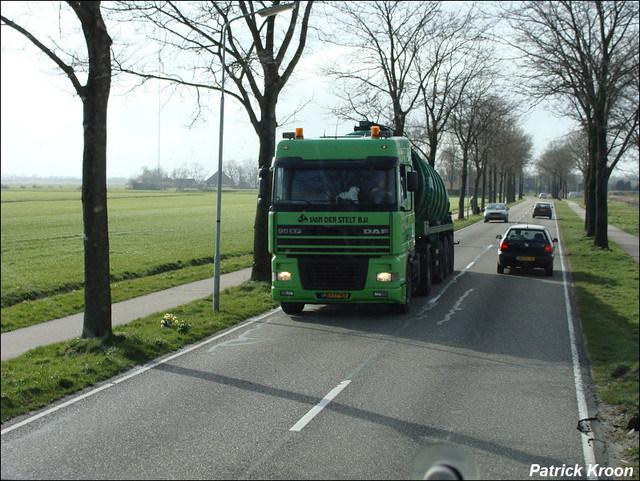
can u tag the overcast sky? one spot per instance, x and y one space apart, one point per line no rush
41 120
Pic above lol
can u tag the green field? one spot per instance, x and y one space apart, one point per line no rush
149 232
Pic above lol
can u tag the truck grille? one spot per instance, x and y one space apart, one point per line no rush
328 273
373 239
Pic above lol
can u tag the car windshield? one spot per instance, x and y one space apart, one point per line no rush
531 235
496 207
544 206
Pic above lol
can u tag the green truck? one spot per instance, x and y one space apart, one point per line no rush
360 218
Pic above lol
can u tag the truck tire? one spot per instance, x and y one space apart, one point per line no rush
438 269
445 258
292 308
450 252
426 281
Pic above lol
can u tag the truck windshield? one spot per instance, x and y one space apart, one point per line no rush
335 188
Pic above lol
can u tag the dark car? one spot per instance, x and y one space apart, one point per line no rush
526 245
496 212
542 209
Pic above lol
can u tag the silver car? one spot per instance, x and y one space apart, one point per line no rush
497 211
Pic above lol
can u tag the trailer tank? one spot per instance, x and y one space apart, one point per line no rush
432 199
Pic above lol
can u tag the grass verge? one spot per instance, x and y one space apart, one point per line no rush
606 289
48 373
29 313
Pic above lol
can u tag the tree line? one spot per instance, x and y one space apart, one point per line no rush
430 71
242 174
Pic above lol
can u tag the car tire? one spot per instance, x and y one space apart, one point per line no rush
549 270
500 269
292 308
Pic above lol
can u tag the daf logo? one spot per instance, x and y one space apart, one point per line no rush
375 231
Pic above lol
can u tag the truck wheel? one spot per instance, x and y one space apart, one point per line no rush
445 258
438 270
403 308
425 282
451 255
292 308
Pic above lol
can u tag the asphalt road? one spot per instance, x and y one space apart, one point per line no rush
485 363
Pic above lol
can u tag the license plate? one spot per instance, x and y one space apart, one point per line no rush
526 258
333 295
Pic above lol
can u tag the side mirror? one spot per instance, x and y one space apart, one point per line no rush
263 185
555 239
499 236
412 181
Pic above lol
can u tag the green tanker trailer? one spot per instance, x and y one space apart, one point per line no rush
355 219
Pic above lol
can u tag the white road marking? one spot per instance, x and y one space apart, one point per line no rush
455 308
304 420
434 301
583 411
134 372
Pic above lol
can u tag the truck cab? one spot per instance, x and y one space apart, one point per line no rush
342 224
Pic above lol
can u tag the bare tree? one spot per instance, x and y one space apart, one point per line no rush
474 123
585 54
154 178
94 95
378 75
577 145
243 173
455 54
258 66
557 162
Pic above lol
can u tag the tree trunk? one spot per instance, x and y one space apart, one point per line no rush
261 270
602 174
97 296
590 185
463 188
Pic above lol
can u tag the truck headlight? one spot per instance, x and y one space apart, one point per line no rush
387 276
283 276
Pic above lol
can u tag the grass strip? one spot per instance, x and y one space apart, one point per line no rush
29 313
605 284
48 373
